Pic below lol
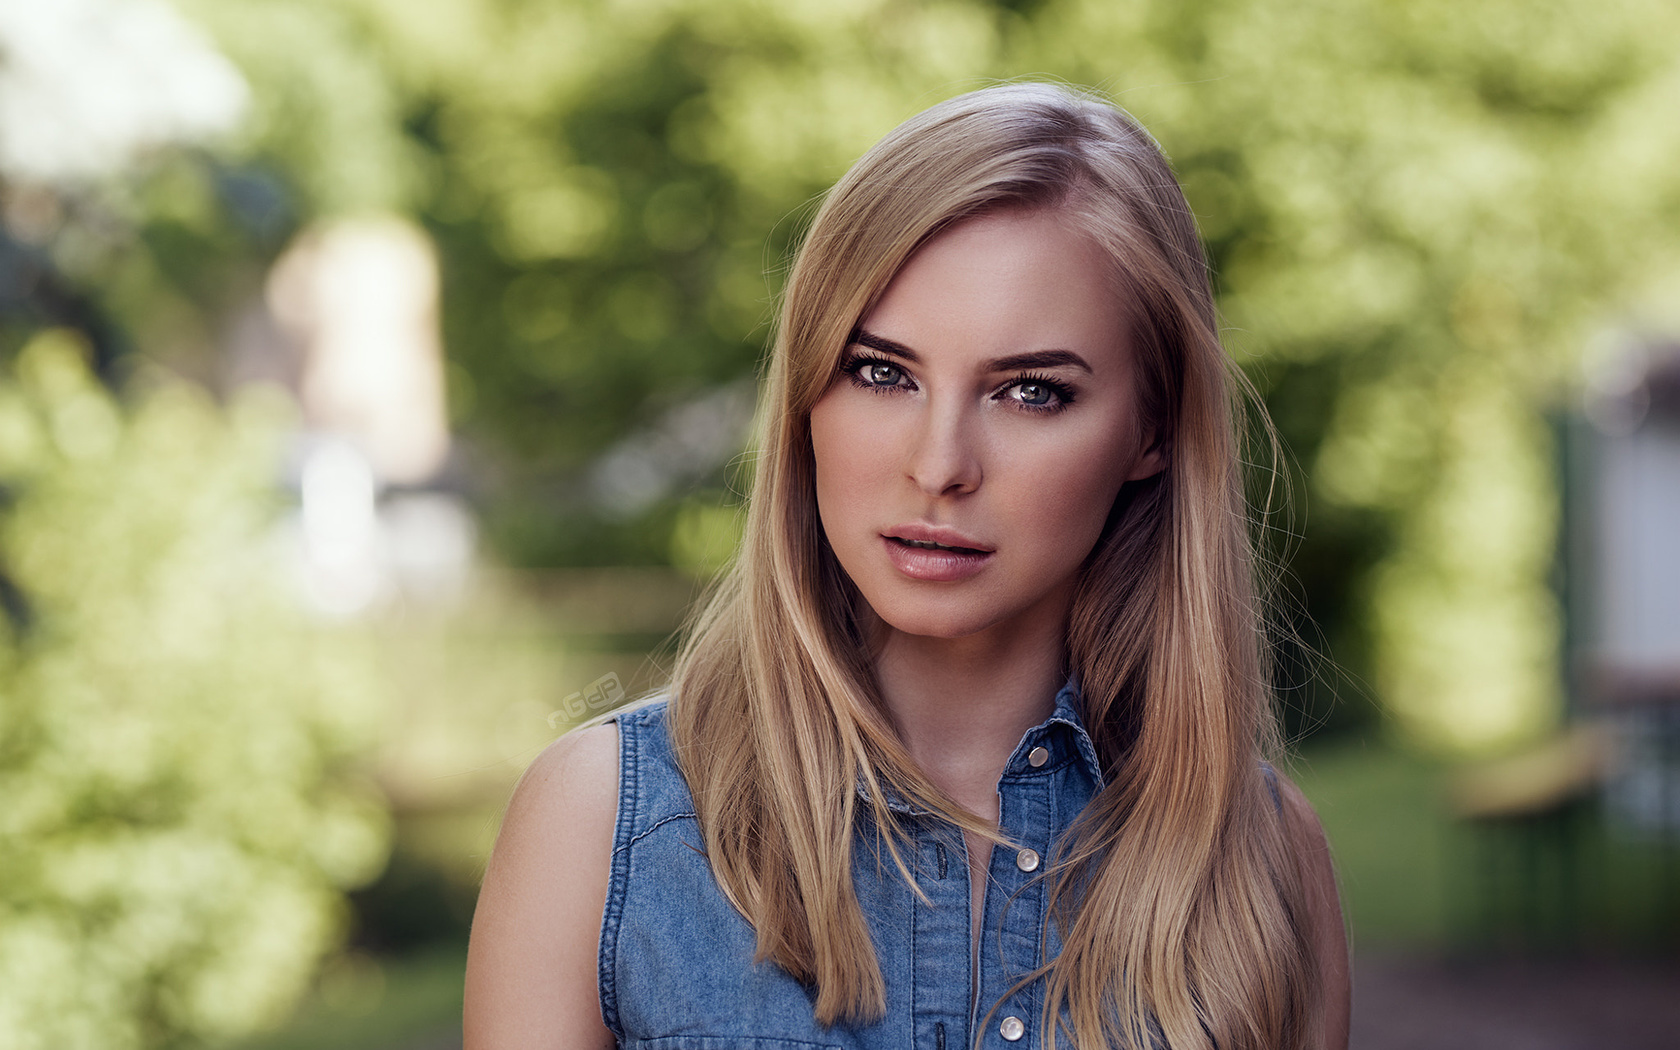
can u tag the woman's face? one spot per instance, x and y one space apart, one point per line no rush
984 419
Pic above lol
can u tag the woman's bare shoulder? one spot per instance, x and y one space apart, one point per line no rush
1300 819
1329 930
531 964
578 774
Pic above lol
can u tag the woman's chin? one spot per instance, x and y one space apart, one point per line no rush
935 623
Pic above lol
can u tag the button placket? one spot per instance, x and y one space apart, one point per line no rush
923 941
940 974
1015 905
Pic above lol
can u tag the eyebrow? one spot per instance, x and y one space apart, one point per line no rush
1010 363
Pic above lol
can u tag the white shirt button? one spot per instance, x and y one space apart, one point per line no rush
1012 1028
1027 860
1038 756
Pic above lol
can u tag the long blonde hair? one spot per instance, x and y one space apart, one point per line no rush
1176 894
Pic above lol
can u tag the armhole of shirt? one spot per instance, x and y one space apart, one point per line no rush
613 914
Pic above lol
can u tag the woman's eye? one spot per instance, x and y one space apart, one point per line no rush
1033 394
1041 395
873 373
883 375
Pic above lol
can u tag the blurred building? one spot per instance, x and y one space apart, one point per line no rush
1624 566
349 324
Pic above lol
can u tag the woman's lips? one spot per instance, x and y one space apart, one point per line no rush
936 565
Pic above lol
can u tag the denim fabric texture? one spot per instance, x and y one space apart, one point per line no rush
676 959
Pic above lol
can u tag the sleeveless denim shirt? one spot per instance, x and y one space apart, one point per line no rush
676 958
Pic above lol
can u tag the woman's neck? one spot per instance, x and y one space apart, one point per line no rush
962 704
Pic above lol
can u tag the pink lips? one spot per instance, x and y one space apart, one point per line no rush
939 566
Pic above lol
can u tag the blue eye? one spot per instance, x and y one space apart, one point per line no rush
884 375
1033 394
875 373
1038 393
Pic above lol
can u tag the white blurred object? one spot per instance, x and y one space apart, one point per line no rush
87 86
429 541
355 549
1626 560
361 298
339 520
1632 622
359 301
1638 595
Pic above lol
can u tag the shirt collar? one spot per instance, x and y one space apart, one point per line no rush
1062 736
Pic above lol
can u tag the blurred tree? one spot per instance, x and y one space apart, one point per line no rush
1418 214
177 740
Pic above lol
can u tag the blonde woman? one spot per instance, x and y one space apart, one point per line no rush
967 749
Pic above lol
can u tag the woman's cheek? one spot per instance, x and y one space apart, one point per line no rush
850 468
1064 499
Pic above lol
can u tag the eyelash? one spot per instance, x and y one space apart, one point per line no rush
1064 394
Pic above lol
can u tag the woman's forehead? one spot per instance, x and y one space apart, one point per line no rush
1004 283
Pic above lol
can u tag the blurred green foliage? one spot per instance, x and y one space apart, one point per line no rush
1422 218
178 741
1422 215
1419 214
1415 875
390 1004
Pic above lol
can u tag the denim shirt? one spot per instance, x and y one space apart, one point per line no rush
676 958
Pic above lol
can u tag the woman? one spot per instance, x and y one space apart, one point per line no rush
966 750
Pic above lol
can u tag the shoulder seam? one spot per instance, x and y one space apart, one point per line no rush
659 824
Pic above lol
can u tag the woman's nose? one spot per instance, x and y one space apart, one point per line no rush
944 455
